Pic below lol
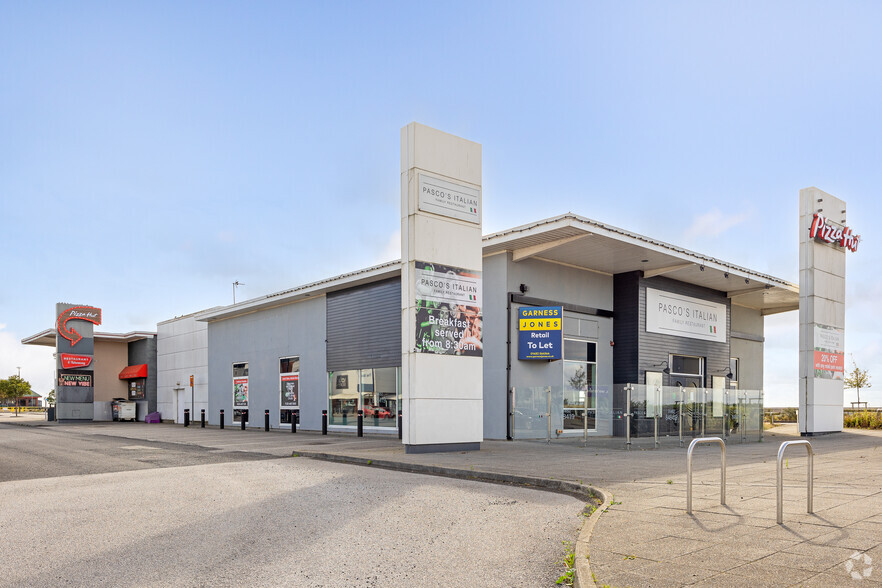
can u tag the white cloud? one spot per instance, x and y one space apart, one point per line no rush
392 249
714 223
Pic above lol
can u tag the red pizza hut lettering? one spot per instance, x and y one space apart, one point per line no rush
76 313
821 230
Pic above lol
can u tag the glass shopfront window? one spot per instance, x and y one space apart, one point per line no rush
579 383
376 392
687 371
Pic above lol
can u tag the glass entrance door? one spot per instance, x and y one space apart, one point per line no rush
579 381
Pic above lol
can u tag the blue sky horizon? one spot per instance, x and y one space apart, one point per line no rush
153 154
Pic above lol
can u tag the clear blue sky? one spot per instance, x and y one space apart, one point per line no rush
152 153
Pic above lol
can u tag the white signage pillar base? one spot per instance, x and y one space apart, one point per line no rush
441 356
821 317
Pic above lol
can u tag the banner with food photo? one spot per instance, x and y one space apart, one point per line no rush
448 310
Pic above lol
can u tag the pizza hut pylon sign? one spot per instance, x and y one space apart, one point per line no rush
76 313
822 230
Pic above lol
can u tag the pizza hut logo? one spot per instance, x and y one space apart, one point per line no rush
76 313
822 230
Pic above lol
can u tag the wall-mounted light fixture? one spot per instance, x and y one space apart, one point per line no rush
524 289
666 369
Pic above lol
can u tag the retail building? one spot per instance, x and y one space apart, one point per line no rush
565 317
94 370
560 327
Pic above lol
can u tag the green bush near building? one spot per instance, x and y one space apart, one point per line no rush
864 420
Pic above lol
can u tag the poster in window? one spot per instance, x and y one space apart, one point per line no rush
448 310
240 392
136 390
290 390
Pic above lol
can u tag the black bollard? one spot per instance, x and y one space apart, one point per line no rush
361 423
293 421
266 420
399 424
243 418
324 422
202 416
222 418
186 417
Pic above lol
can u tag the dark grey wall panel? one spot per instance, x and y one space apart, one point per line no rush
637 351
144 351
655 347
626 326
364 327
68 394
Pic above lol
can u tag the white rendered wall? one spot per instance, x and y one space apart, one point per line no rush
821 302
181 350
442 394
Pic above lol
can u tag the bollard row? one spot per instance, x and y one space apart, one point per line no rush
295 416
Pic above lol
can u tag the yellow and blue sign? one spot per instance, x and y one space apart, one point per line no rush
539 332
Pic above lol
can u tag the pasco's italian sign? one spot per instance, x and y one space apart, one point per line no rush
448 199
684 316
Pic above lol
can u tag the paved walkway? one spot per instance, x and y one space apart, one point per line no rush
645 538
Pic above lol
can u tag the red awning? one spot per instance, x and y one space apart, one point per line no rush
133 371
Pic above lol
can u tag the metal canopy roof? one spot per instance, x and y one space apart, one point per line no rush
587 244
47 337
578 242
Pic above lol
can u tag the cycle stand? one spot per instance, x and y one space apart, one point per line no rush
689 469
810 486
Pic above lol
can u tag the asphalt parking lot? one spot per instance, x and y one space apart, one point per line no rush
91 508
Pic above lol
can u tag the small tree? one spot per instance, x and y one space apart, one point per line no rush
14 388
857 379
50 398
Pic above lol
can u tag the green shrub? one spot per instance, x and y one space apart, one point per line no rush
863 420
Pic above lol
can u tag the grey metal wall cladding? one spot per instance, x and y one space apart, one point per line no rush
364 326
637 350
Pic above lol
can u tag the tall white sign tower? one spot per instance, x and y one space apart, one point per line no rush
441 291
824 239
